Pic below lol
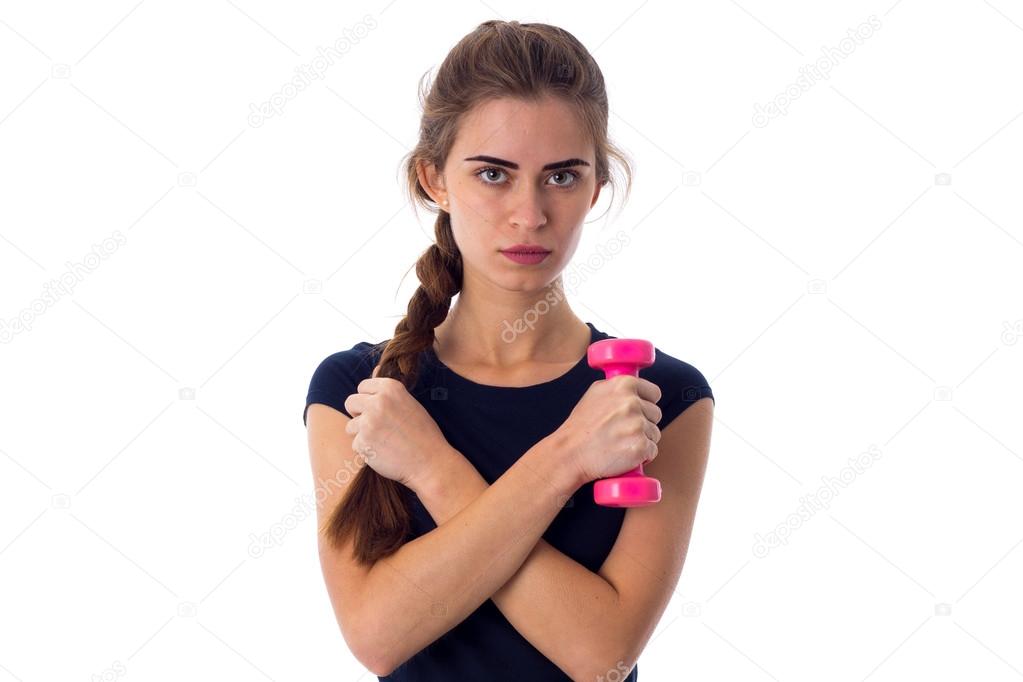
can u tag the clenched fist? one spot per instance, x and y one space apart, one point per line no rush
613 427
393 431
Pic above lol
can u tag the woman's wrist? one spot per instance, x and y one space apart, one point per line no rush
450 483
571 475
436 472
553 461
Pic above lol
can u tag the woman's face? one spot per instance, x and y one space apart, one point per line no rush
500 194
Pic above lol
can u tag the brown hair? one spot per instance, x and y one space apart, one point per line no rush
497 59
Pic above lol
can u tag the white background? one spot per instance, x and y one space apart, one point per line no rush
847 277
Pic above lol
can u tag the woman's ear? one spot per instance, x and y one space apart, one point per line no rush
432 181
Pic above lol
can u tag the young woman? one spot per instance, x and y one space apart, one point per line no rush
459 538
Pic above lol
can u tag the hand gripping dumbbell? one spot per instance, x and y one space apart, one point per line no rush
624 356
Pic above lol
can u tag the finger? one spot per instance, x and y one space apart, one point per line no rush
644 388
356 404
651 451
652 432
648 390
650 411
352 427
372 385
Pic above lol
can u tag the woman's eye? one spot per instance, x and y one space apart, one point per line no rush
572 174
485 171
485 176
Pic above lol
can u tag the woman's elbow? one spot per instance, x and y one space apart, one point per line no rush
370 655
369 642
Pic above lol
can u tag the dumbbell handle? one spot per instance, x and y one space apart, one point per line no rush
633 488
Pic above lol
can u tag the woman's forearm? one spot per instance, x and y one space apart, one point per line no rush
557 604
434 582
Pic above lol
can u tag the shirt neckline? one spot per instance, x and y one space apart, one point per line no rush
577 369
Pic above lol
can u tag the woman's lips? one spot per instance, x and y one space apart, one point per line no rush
526 257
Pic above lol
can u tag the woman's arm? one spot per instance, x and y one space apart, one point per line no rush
432 583
588 623
553 601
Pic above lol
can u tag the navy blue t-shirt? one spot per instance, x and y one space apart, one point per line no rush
492 426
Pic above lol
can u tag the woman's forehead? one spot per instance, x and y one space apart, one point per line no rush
527 133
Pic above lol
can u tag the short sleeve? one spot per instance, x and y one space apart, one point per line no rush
683 387
338 376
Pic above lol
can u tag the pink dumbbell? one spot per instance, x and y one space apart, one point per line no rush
624 356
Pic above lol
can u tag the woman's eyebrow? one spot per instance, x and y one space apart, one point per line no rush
567 163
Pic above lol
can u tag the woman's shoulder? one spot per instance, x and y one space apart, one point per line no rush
677 371
681 384
353 359
339 374
668 372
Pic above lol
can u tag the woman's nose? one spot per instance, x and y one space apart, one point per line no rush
528 211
